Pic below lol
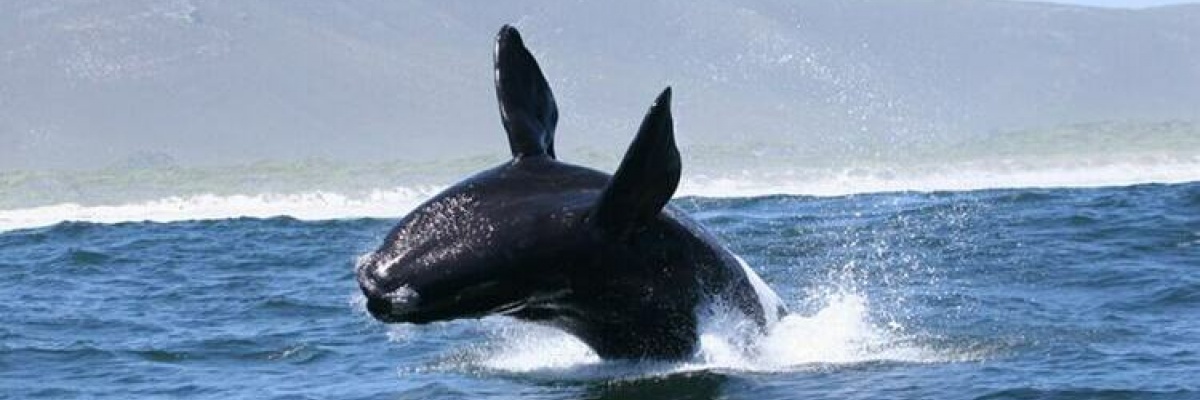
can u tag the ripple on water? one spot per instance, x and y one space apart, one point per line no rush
1041 293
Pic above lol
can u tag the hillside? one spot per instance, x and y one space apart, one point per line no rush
86 84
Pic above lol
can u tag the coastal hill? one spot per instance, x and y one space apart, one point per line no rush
87 84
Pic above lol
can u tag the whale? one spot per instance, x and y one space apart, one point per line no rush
602 257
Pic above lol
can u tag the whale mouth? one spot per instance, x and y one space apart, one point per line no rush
401 301
407 305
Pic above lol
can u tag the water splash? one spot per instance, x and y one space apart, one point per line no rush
842 332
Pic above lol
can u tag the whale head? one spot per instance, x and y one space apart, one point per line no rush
466 253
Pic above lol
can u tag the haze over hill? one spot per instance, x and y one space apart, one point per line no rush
203 82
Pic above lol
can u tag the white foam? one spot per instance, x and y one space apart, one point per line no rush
840 333
525 348
950 177
394 202
317 205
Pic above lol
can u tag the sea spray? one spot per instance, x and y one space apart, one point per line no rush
841 332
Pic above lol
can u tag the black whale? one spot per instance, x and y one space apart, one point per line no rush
601 257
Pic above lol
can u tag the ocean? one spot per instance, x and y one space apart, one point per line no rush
942 288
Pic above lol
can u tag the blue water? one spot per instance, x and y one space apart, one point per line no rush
997 294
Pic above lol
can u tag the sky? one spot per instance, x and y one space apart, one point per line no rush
1122 3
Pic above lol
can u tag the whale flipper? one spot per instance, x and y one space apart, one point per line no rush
527 106
647 177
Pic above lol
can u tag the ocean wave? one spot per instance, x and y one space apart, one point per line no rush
950 177
318 205
396 201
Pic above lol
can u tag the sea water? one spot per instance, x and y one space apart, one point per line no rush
1065 293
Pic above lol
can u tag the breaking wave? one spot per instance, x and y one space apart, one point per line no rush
360 201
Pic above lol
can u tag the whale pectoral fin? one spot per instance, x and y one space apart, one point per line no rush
647 177
527 107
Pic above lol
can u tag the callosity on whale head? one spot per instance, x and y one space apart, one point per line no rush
602 257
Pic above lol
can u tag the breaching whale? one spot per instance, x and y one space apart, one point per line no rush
602 257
